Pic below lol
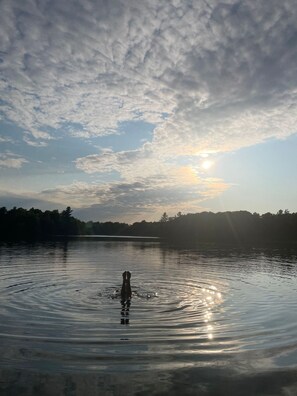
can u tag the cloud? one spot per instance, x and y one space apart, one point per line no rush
223 72
11 160
181 190
26 201
34 141
210 76
130 164
6 139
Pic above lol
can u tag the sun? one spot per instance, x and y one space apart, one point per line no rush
207 164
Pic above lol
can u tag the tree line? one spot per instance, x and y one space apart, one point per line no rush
230 227
240 227
19 223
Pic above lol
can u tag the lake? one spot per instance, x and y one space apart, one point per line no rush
204 321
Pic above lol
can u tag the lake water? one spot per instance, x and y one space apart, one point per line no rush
207 321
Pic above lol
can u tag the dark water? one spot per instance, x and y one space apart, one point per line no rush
210 321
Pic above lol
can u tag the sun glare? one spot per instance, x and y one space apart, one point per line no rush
207 164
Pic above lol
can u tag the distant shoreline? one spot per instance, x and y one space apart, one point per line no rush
111 237
239 227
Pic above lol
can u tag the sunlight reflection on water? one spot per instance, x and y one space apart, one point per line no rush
61 311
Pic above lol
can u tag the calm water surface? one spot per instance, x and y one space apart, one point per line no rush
208 321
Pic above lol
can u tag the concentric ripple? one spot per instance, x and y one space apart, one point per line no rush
61 308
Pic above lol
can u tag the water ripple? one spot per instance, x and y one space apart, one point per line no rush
65 311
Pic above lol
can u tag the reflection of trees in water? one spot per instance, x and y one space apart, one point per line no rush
65 252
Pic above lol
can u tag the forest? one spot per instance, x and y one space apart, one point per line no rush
231 227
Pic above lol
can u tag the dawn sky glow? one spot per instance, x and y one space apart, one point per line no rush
126 109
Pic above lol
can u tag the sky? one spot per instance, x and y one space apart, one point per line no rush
124 110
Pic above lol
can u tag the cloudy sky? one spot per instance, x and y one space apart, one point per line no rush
124 109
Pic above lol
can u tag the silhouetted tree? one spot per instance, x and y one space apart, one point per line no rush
229 227
19 223
164 218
